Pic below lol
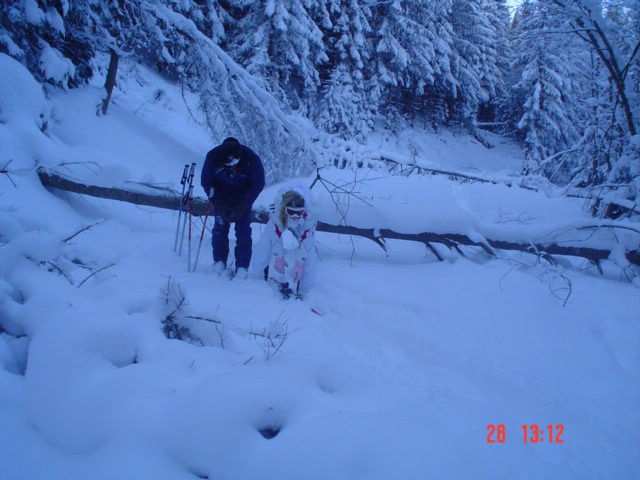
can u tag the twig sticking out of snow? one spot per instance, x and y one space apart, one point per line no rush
84 229
95 272
274 335
346 190
175 300
5 170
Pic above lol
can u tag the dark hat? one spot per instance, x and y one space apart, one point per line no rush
231 145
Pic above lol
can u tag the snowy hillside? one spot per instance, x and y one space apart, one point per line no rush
395 366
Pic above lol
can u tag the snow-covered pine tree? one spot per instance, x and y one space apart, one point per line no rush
48 38
622 181
602 101
595 153
59 41
600 33
279 42
475 58
413 59
346 104
634 66
480 48
547 63
209 17
494 79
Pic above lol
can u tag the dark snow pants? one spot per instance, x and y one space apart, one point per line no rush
220 240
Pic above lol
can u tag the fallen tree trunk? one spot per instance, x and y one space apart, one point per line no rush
613 210
169 199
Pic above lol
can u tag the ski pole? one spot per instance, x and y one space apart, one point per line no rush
187 200
204 229
183 182
190 224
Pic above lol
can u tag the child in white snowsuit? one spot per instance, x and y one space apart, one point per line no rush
286 252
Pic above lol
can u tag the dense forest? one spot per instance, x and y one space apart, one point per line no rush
560 76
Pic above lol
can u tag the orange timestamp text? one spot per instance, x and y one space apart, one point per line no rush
531 433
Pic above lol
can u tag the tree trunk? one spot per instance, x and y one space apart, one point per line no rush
169 199
597 38
110 83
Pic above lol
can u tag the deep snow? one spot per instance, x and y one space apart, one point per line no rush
400 376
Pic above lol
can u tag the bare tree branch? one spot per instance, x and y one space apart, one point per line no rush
598 39
60 271
95 272
5 170
84 229
204 319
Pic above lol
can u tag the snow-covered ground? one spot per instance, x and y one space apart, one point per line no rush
409 363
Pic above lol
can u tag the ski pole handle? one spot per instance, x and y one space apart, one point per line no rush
188 195
183 181
186 203
185 173
192 172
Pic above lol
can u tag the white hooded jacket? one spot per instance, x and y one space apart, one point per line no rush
289 251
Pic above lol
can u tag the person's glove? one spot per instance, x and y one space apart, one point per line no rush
297 271
279 265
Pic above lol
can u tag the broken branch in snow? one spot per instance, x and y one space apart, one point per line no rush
95 272
204 319
84 229
341 196
175 300
274 336
405 169
5 170
56 268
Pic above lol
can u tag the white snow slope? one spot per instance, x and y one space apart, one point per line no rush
401 377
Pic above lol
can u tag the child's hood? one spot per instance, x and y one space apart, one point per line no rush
302 190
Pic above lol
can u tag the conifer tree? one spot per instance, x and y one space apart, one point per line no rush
494 79
546 122
471 34
413 58
345 104
279 42
49 38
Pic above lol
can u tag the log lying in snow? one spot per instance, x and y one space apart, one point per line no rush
613 210
169 199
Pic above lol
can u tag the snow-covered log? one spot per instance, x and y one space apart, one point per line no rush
141 194
612 209
170 199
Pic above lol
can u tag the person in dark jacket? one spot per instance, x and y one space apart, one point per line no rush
232 177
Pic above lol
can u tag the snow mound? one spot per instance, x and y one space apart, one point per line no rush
22 99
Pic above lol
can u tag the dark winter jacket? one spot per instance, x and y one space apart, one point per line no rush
241 183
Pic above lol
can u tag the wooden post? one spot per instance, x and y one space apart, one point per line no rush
111 79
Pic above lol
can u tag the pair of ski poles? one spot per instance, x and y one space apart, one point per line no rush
186 206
